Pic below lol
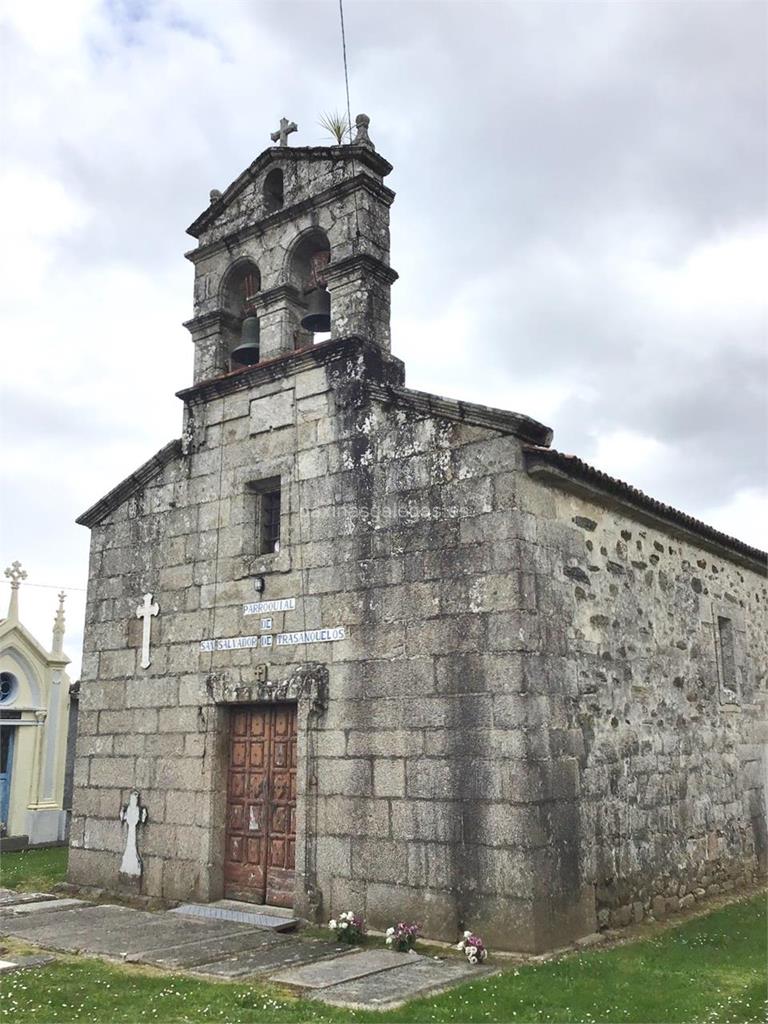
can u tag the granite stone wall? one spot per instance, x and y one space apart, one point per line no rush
668 731
524 730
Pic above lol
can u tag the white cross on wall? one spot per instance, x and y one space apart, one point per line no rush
146 611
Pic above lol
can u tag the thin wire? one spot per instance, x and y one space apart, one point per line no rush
346 70
356 240
53 586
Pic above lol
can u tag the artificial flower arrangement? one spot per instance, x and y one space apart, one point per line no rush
473 948
402 936
349 927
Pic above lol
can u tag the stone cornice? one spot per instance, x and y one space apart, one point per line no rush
278 368
465 412
569 473
280 293
128 487
287 213
361 262
211 321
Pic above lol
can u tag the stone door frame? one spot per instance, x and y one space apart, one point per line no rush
307 688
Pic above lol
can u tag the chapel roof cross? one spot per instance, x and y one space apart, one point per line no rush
285 129
15 574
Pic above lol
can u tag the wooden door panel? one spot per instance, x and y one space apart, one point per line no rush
261 812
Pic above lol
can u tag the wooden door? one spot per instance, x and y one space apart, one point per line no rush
260 852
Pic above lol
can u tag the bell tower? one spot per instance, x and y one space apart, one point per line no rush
295 248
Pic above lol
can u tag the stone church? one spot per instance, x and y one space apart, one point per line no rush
351 645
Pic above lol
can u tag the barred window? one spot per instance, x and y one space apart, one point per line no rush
270 521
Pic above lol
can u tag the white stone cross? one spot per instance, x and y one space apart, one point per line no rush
286 127
132 815
146 611
15 574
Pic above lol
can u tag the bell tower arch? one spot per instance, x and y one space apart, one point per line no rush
305 231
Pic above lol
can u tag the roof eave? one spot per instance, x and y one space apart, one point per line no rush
128 487
571 474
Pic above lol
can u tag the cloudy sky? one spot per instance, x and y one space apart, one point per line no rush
580 229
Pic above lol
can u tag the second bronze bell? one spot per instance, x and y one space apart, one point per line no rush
247 352
318 316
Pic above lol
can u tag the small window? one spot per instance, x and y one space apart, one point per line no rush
729 684
274 197
270 522
266 509
9 687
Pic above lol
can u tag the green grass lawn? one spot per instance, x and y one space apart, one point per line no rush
33 870
710 970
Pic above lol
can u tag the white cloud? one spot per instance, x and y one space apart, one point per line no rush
744 516
579 226
627 455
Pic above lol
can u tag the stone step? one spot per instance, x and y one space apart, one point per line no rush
251 916
42 907
11 898
252 908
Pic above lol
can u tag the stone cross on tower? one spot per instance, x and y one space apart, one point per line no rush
15 574
281 135
132 815
146 611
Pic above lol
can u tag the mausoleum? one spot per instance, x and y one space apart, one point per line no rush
351 645
34 726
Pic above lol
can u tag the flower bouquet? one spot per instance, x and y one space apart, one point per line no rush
348 927
473 948
402 936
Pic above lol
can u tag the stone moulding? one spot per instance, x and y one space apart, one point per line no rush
285 154
569 473
282 366
133 483
307 685
289 213
467 412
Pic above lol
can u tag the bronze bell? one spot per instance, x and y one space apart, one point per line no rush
247 352
318 316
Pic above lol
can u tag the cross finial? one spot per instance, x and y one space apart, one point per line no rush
285 129
15 574
362 138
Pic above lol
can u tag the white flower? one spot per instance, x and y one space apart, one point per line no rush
344 925
349 915
472 959
484 955
390 931
471 950
332 925
467 934
460 945
389 940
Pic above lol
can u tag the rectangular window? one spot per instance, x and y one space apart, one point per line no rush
727 666
269 515
266 515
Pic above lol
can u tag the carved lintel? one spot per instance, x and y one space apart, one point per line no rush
306 685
